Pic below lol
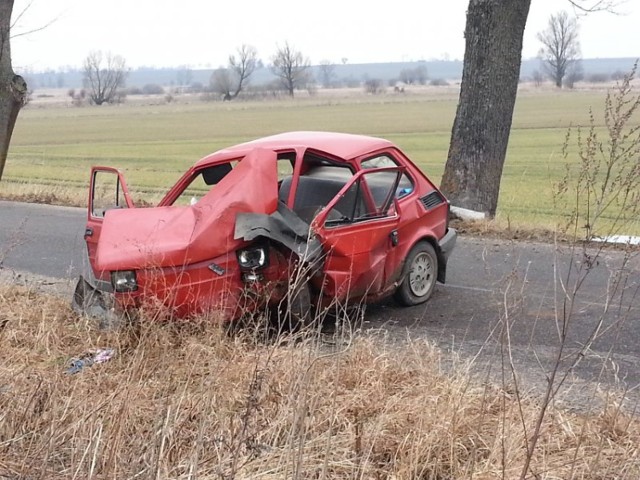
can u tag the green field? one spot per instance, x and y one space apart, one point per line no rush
53 147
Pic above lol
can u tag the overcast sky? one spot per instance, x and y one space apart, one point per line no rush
202 33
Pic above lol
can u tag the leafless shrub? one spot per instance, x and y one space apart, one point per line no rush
599 77
77 97
152 89
438 82
599 200
574 74
374 86
537 78
602 194
618 75
133 91
327 73
416 75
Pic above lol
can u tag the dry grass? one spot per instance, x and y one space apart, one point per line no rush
45 194
186 400
495 228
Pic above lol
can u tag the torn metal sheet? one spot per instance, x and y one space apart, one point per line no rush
282 226
95 304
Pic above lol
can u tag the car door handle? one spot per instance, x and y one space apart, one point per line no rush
88 232
394 238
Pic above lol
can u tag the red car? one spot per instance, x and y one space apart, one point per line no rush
298 219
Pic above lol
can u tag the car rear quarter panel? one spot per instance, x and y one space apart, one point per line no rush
418 224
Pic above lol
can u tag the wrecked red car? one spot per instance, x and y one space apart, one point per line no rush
293 221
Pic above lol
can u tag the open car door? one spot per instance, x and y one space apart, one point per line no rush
107 191
358 228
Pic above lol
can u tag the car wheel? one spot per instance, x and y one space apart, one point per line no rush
294 312
420 274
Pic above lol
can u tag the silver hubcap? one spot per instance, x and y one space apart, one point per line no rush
421 275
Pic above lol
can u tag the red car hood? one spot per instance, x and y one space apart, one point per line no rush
173 236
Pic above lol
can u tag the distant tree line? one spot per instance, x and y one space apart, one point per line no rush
104 75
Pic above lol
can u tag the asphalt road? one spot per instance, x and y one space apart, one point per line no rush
498 294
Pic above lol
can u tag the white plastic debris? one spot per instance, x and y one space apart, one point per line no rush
466 214
620 239
87 359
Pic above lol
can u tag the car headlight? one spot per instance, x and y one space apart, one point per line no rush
124 281
252 258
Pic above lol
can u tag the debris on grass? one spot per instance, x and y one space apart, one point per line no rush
87 359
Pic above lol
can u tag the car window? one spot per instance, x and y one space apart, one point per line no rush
378 162
286 160
316 188
203 182
107 193
320 181
355 205
405 186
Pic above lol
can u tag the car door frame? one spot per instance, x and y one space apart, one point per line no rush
94 222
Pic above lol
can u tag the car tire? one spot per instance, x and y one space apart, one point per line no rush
295 311
419 275
300 306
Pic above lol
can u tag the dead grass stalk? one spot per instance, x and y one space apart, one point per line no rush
186 400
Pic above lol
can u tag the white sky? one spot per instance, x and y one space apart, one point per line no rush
202 33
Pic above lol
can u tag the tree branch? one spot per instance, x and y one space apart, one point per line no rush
590 6
34 30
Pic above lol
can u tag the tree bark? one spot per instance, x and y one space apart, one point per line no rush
480 135
13 88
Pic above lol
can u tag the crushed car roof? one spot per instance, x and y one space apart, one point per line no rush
342 145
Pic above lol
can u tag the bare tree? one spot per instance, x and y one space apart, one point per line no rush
327 73
243 66
104 78
291 67
222 83
574 74
414 75
184 76
13 88
482 125
537 78
230 81
561 47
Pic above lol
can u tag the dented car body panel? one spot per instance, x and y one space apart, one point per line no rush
229 235
183 235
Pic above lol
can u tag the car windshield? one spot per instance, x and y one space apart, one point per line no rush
204 180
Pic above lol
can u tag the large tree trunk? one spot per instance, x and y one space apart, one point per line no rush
13 88
488 91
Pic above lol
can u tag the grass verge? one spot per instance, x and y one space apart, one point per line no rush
56 146
184 400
